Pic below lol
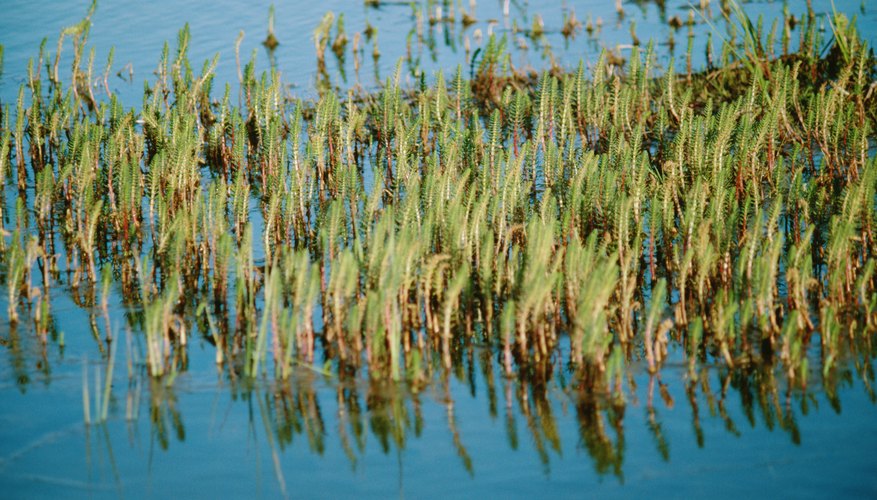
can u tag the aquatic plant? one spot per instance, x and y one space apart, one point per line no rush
603 215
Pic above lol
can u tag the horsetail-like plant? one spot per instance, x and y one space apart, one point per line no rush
622 207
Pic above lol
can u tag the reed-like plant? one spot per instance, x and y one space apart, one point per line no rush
623 207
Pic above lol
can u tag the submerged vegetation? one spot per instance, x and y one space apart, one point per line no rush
582 222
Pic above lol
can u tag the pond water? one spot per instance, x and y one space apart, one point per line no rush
471 431
138 31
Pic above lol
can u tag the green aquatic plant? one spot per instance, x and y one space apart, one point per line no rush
616 210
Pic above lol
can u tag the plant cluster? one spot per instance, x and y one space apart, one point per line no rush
616 212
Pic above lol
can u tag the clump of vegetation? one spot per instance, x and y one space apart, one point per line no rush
617 211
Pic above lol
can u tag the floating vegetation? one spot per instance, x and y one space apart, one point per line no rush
585 221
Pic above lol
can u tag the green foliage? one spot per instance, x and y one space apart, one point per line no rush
622 210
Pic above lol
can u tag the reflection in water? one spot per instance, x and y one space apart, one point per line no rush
600 419
317 412
353 419
164 415
322 412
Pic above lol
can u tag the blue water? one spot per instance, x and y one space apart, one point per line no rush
226 442
138 31
470 432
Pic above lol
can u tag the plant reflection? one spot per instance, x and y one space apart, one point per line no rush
323 411
164 415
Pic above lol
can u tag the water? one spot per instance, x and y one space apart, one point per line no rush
207 438
138 31
469 432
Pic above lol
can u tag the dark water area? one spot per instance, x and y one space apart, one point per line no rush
695 431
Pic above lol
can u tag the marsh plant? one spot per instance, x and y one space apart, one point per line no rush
610 216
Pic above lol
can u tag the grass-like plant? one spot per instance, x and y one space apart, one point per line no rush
615 210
